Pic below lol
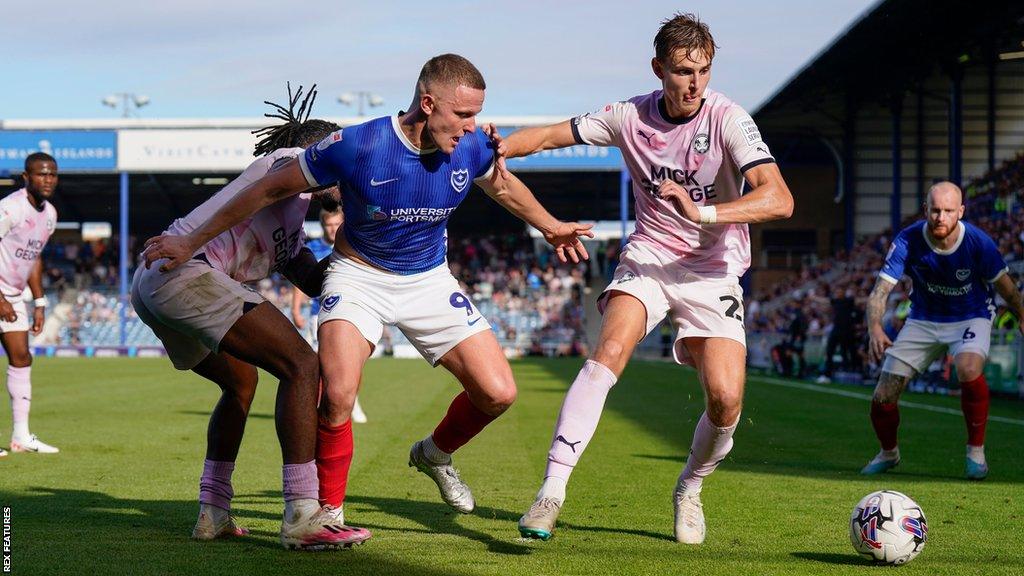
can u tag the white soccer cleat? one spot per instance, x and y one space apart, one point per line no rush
215 522
32 444
3 452
689 517
454 491
320 531
358 416
539 521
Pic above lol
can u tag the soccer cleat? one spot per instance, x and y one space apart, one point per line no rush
976 470
454 491
3 452
689 516
215 522
32 444
880 464
358 416
539 520
320 531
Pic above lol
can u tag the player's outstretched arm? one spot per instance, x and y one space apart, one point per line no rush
769 199
878 341
532 140
515 197
283 180
1008 290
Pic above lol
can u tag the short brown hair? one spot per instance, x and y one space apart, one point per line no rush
451 70
684 31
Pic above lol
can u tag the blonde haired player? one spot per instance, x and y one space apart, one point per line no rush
27 219
688 150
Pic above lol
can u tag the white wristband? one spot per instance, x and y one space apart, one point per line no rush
39 302
708 214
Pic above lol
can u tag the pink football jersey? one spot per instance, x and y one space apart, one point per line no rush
24 232
254 248
705 154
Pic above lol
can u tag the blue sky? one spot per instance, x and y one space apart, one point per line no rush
222 58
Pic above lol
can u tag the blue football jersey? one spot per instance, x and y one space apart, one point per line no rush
948 285
396 197
320 250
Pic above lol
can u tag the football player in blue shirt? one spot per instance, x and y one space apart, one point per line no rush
954 267
400 179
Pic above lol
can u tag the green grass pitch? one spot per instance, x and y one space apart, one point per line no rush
120 497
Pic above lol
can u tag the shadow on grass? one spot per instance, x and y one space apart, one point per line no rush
206 415
832 558
98 533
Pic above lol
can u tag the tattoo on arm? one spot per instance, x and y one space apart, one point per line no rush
889 387
877 300
1009 292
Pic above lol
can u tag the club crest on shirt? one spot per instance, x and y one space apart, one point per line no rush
963 274
51 225
460 178
701 143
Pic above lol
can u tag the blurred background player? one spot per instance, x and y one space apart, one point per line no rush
27 220
331 219
953 266
683 145
212 324
401 177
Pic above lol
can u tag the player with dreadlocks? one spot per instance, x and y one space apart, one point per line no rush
212 324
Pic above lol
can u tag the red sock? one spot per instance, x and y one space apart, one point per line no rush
974 403
334 448
886 420
460 424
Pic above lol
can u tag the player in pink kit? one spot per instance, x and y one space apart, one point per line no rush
212 324
27 220
688 150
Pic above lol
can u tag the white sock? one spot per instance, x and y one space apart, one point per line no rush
21 431
294 509
711 445
433 453
976 453
893 454
553 487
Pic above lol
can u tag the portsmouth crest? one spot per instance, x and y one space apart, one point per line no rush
459 179
701 143
963 274
331 301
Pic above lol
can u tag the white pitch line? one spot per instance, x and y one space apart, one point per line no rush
858 395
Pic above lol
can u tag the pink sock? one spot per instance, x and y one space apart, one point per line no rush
577 421
19 386
711 445
300 481
215 485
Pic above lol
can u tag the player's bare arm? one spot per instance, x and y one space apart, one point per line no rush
878 341
35 285
306 273
532 140
1006 288
280 182
769 199
298 299
515 197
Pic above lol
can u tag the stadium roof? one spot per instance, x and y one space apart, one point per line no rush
896 45
226 123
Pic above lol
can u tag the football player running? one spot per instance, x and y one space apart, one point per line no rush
688 150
